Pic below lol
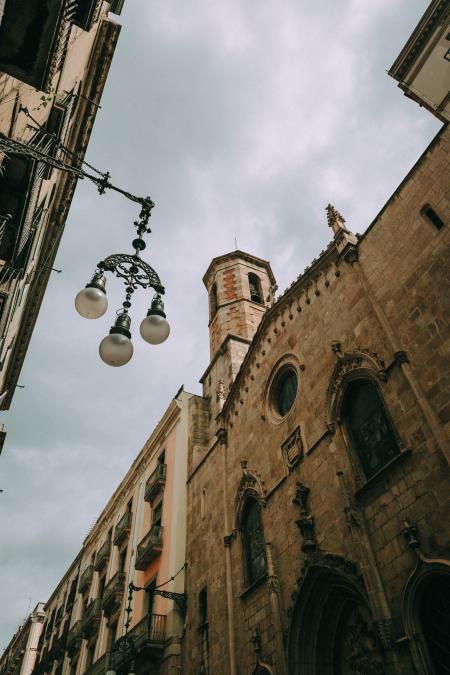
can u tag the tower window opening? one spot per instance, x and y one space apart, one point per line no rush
432 216
254 283
213 301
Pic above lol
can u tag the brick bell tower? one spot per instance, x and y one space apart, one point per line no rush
240 288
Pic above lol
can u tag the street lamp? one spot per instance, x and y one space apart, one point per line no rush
116 349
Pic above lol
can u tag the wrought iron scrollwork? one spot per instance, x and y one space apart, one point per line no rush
133 270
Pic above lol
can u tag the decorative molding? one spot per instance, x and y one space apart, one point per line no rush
351 365
384 633
250 485
292 449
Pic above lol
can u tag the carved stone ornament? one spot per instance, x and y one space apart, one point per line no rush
221 394
383 630
292 449
306 522
301 496
410 532
349 365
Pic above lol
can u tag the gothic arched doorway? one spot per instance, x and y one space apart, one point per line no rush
331 627
434 615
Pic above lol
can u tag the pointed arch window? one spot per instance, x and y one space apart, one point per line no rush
254 548
371 432
213 301
254 283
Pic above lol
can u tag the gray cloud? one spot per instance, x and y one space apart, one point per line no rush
241 119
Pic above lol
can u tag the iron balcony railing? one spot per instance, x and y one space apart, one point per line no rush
113 594
155 482
102 556
149 636
122 528
149 547
86 578
92 616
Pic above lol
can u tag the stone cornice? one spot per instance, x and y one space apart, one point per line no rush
435 14
252 259
222 350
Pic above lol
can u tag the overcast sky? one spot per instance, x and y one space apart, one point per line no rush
241 119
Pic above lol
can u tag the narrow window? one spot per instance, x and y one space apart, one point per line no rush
162 457
432 216
213 301
101 587
253 542
371 432
203 606
203 503
157 515
149 597
254 283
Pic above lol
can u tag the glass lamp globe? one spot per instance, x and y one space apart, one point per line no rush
116 349
91 302
155 327
110 672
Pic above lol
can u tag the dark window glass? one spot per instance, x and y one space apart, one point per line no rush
253 540
435 619
370 429
213 301
254 283
203 605
157 515
432 216
286 391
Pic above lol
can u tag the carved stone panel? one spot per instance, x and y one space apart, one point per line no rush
292 449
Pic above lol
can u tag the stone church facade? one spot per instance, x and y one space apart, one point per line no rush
318 477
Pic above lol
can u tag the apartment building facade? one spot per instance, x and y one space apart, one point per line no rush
55 57
93 622
19 657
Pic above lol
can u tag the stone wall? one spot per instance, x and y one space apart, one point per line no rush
378 307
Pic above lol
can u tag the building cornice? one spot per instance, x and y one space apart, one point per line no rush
139 465
434 15
242 255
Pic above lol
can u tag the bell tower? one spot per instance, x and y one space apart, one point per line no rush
240 288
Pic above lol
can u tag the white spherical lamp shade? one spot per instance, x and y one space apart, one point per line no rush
155 329
91 303
116 349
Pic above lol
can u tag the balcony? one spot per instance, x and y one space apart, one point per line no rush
74 638
149 548
155 482
148 640
92 617
122 528
102 556
86 578
113 594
